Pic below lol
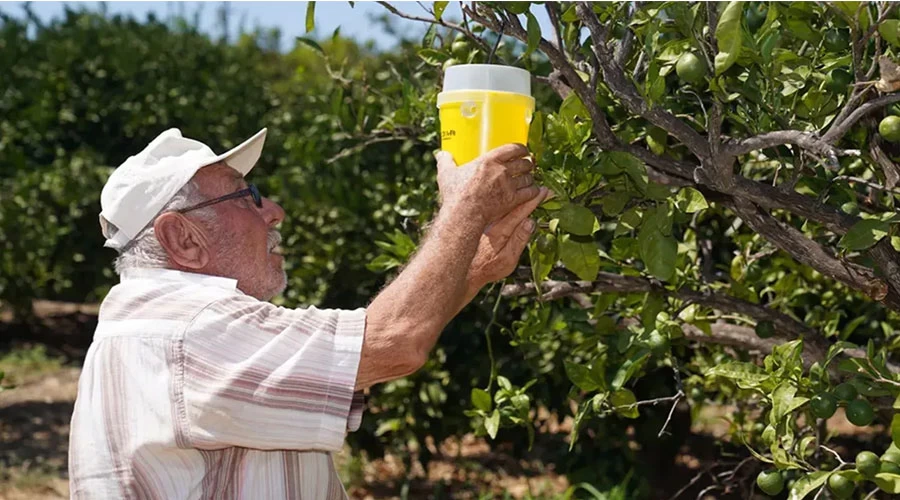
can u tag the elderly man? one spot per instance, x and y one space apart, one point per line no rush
197 387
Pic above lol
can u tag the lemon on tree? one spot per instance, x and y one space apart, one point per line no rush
889 128
690 68
845 392
764 329
460 47
840 486
867 463
860 413
823 405
771 482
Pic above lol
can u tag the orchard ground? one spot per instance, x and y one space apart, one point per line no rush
34 432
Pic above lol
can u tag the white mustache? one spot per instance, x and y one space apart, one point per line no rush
274 240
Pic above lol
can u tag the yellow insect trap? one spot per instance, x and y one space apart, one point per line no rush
483 106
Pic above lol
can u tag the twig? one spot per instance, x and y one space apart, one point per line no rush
360 147
842 462
859 180
838 129
441 22
692 482
678 397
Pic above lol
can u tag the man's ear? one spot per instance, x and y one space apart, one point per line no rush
184 241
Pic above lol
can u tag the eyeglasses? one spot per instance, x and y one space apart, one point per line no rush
251 191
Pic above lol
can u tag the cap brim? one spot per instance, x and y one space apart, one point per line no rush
244 156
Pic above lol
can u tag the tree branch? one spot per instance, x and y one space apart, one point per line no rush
614 76
808 252
805 140
838 129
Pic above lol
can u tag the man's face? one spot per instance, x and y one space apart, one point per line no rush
242 237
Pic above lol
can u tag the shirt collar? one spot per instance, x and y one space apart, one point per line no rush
144 273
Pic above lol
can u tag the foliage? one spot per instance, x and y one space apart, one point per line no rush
698 204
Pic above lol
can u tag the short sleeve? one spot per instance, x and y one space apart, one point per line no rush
260 376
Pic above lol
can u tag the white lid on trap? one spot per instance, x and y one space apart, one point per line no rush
493 77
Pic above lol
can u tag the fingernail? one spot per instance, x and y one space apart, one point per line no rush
528 224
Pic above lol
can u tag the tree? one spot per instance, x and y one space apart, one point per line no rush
721 182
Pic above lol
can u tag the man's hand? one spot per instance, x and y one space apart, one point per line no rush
503 243
494 183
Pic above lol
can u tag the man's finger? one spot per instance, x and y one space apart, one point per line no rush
444 160
520 166
522 181
504 227
507 152
527 194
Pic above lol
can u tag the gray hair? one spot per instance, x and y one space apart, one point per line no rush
145 250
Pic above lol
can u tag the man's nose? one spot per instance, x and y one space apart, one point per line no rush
272 212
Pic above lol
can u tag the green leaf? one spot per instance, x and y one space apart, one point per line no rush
534 34
690 200
782 401
890 31
541 262
629 368
582 258
729 36
536 136
864 234
577 219
581 376
807 484
309 42
623 402
439 9
390 425
481 399
657 250
433 57
492 424
614 203
895 428
310 16
745 375
890 483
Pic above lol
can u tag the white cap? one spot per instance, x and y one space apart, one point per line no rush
141 187
492 77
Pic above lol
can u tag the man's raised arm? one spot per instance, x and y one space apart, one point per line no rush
405 320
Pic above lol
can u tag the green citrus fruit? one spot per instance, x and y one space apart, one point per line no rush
823 405
860 413
450 62
755 14
837 40
460 49
845 392
889 467
838 81
657 342
765 329
867 463
546 244
770 481
690 68
889 128
840 486
697 393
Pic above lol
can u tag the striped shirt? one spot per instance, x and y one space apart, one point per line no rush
194 390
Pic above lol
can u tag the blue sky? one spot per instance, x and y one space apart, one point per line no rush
355 22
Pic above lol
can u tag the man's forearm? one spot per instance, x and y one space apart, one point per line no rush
406 318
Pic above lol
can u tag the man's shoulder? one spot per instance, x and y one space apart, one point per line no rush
159 297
